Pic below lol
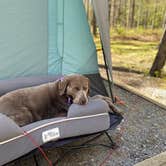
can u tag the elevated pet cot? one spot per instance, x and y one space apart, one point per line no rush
81 120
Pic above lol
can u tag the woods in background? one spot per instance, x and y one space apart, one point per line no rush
134 13
140 14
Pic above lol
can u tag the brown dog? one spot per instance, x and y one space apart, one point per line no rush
31 104
48 100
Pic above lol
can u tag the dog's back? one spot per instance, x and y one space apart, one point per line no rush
25 105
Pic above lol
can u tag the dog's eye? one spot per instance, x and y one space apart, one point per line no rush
77 88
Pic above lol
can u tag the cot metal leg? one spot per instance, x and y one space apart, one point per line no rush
35 160
112 143
87 144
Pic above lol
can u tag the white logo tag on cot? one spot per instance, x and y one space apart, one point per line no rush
51 134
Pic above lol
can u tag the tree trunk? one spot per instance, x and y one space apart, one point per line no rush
119 12
139 13
132 13
128 12
94 25
87 8
125 13
164 19
109 3
146 19
155 14
160 59
113 13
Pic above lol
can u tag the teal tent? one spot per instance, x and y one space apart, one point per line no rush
51 37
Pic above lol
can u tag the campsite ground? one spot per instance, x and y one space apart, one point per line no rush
133 52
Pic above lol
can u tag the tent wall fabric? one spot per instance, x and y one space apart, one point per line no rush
71 46
23 38
45 37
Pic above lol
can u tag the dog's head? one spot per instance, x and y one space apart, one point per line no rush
76 87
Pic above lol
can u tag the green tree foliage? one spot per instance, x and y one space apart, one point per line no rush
138 13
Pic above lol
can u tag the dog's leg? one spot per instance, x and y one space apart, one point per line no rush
109 102
22 117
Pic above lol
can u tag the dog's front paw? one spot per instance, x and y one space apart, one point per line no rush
112 106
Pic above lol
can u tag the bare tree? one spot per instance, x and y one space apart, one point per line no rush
164 19
113 13
109 3
131 13
160 59
94 26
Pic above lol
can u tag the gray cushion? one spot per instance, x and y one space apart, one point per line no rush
96 106
22 82
8 128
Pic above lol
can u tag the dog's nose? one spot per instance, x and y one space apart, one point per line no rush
83 102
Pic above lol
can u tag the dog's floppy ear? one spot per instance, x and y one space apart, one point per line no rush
88 93
62 85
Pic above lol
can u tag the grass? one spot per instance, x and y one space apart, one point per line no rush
134 49
134 55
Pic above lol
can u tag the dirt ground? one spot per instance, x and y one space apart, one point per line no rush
152 87
141 135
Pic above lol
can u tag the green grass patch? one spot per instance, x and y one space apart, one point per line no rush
137 33
133 49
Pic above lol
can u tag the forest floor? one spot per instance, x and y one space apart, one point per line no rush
133 52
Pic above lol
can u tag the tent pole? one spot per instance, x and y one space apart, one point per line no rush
110 81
